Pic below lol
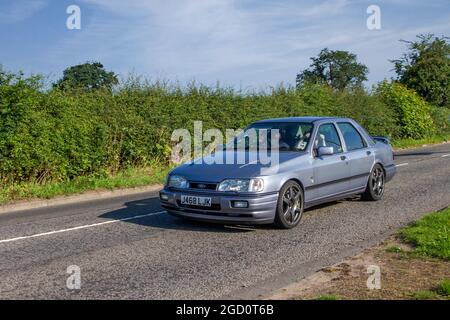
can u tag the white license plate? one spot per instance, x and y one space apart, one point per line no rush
196 201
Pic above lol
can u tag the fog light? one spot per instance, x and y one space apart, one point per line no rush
239 204
164 197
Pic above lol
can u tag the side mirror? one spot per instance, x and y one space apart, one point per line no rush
385 140
324 151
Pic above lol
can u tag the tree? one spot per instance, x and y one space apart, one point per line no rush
339 69
425 68
87 76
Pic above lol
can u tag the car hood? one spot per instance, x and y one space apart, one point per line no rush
203 169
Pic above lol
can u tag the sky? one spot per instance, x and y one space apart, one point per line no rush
244 44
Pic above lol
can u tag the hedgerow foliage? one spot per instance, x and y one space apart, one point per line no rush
412 113
55 135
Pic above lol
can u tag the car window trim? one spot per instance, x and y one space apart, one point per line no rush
314 149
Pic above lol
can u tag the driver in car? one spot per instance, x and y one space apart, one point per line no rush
280 136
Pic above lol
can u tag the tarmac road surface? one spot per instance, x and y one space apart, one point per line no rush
129 248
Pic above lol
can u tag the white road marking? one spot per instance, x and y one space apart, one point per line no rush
119 220
402 164
81 227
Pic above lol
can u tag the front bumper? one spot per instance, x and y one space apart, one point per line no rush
261 207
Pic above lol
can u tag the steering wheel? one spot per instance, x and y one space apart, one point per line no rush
334 145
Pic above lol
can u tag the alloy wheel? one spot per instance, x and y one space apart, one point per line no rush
292 204
377 181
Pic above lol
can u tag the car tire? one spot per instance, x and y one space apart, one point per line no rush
375 184
289 206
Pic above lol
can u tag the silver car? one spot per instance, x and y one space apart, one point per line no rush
319 160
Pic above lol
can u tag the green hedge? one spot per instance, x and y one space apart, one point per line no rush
411 112
53 135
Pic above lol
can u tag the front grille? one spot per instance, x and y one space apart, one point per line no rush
215 212
214 206
202 185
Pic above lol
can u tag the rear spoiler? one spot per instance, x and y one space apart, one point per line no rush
385 140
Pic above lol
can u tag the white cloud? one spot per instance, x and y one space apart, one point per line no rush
19 11
202 38
325 8
257 42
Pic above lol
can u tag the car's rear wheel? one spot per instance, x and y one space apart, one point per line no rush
290 206
375 184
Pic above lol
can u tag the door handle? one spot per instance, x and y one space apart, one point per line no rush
343 157
369 153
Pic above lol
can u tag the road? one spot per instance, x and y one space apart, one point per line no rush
128 248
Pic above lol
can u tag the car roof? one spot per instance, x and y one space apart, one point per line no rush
300 119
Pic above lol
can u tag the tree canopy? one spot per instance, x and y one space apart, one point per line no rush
87 76
425 68
339 69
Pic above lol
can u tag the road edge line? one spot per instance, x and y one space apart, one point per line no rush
77 198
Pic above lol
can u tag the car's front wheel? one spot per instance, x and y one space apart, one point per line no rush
290 205
375 184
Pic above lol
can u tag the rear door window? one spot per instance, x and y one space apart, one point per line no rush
353 139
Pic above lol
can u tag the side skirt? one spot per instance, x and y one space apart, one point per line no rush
334 197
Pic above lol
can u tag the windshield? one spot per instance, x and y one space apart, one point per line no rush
291 136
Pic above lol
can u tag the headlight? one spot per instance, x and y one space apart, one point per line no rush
252 185
176 182
256 185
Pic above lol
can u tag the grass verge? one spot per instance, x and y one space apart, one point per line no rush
411 143
328 297
444 288
424 295
430 236
414 264
133 177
